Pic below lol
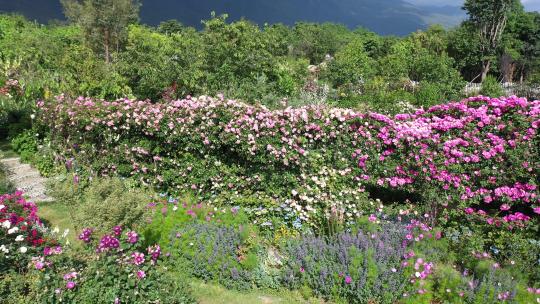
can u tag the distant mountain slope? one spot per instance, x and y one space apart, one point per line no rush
40 10
382 16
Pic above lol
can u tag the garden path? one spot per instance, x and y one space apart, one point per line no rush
26 178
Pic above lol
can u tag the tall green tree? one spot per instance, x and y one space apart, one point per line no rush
170 27
521 46
489 19
104 21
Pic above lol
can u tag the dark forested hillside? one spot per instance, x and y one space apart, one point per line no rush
382 16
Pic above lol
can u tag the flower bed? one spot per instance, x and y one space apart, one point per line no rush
118 268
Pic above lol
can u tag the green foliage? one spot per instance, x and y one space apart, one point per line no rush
315 41
102 204
16 288
233 53
491 87
519 251
170 27
104 22
488 20
108 280
352 65
244 61
155 62
430 94
25 145
14 111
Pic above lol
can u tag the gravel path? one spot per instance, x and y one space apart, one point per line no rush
26 179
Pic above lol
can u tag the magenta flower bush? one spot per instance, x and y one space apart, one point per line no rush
115 269
480 156
477 157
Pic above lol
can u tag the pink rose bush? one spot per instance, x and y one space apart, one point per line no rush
478 156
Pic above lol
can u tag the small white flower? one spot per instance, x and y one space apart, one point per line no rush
175 208
19 238
65 233
56 229
6 224
190 244
417 274
2 207
4 249
13 230
23 249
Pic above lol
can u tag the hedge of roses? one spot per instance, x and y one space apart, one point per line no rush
479 156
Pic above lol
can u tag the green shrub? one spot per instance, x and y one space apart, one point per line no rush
97 272
16 288
25 144
103 203
429 94
14 115
44 163
491 87
518 250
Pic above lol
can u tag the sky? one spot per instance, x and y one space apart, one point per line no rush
530 5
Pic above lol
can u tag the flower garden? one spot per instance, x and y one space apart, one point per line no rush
437 205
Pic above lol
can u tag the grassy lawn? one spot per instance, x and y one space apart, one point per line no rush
215 294
57 215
